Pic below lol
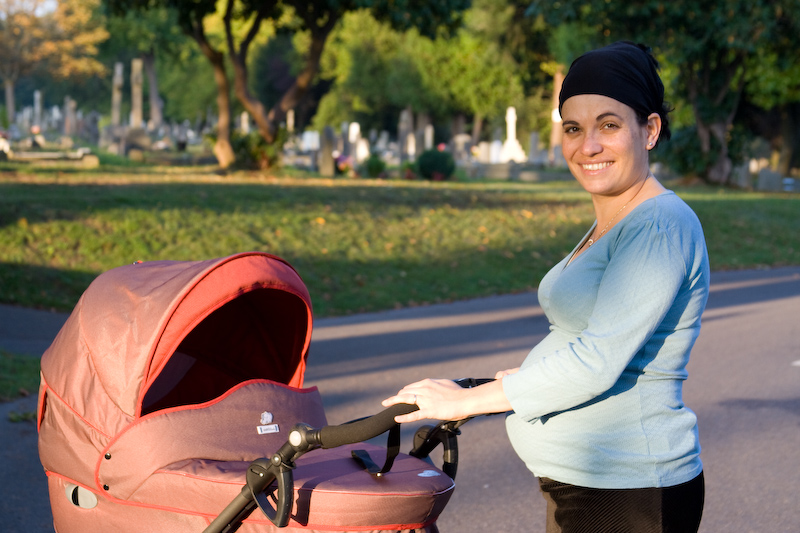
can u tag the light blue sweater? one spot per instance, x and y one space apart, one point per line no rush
598 403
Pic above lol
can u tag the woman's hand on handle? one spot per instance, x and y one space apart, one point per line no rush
443 399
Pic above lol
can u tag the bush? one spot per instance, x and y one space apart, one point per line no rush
682 153
374 166
252 151
436 165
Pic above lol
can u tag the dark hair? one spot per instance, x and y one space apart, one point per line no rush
666 108
624 71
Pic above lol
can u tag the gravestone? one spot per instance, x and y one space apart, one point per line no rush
769 180
484 152
37 108
327 165
116 95
496 152
512 150
309 141
70 117
461 146
136 94
536 155
343 142
428 137
411 146
558 157
290 121
405 128
353 139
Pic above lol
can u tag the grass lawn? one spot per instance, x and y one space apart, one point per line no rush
360 245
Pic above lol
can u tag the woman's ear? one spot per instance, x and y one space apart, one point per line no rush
653 128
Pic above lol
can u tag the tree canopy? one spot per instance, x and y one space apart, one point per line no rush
712 43
35 36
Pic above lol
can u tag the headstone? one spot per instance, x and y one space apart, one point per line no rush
382 143
309 141
769 180
484 152
37 108
327 166
512 151
495 152
537 154
353 135
411 146
362 150
290 121
244 122
428 136
344 140
405 127
558 160
461 146
70 117
136 94
741 177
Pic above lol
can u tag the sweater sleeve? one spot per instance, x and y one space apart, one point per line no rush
582 359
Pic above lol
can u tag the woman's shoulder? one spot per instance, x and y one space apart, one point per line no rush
666 210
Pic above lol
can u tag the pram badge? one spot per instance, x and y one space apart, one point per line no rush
267 426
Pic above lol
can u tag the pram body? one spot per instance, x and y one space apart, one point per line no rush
169 378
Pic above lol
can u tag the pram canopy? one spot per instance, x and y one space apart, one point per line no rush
242 317
151 336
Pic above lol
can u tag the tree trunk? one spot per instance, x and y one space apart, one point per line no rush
295 94
477 126
156 103
222 148
556 133
10 103
788 139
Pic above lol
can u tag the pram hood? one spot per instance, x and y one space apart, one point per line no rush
249 315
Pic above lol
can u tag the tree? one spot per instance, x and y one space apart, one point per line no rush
319 20
191 19
148 34
245 18
63 40
711 43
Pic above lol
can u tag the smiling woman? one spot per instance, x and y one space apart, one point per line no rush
598 414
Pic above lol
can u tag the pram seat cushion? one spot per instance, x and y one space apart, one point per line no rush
332 492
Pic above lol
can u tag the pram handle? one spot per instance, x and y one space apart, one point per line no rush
362 429
302 438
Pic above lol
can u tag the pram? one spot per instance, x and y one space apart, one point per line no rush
170 381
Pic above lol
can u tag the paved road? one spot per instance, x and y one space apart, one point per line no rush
744 385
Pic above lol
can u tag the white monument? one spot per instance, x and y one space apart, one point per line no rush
512 150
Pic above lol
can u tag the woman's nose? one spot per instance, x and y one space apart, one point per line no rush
591 144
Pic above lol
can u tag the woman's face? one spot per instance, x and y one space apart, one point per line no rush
605 146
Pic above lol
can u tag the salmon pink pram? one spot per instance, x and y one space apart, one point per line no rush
169 379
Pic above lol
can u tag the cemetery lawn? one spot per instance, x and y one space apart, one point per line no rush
360 245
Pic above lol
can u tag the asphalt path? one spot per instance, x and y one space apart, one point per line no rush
744 385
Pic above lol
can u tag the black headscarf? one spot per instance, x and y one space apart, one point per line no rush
624 71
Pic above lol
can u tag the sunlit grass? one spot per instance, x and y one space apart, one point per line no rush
360 245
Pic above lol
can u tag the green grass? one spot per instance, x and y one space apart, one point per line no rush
360 245
19 375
